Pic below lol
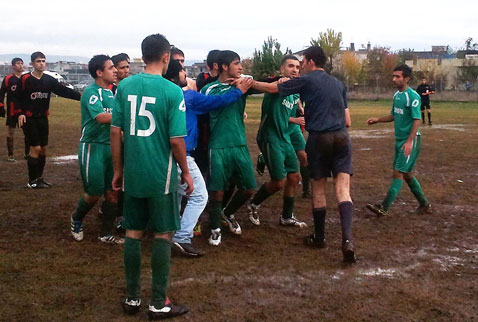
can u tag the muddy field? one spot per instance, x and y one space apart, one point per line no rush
409 268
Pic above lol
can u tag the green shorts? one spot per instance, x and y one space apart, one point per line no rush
297 139
401 162
280 159
228 163
96 166
160 213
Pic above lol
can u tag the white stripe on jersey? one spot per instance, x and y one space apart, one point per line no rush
101 96
88 162
168 177
408 99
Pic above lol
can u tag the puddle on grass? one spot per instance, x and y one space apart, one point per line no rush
64 159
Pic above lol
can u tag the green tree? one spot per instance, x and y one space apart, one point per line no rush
266 62
330 41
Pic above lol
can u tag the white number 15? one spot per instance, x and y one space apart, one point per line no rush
142 112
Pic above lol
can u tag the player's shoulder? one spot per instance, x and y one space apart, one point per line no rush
413 93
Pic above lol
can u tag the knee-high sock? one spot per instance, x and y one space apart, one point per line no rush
132 267
236 202
110 211
416 189
42 159
82 209
423 117
215 214
392 193
429 117
346 209
33 168
10 146
288 207
319 222
160 266
261 195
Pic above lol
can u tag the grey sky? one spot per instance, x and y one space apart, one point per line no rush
85 28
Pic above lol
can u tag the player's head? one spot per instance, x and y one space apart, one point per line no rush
17 64
230 64
314 57
102 67
401 76
38 61
121 62
156 49
176 73
212 61
290 66
424 80
177 54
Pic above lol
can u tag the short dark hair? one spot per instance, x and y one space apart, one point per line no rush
226 57
287 57
176 51
212 58
406 71
97 63
173 71
16 60
116 59
37 54
317 55
154 47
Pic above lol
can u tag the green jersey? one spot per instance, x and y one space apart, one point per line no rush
227 124
150 110
293 113
95 100
276 110
406 109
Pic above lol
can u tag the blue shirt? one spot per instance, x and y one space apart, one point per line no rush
325 100
197 104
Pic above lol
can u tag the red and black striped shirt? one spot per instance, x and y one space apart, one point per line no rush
9 87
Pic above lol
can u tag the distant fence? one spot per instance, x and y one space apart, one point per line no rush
447 95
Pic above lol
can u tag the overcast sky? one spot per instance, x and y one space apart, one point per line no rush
88 27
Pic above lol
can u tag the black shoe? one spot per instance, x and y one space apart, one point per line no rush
186 249
47 183
348 252
37 184
424 209
377 209
167 311
311 241
131 307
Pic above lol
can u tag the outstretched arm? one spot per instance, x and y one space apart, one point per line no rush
383 119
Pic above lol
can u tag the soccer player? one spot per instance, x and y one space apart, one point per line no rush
228 152
212 60
275 144
150 111
329 150
196 104
425 90
94 153
121 62
406 117
34 100
9 86
178 55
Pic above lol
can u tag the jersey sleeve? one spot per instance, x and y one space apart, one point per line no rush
177 114
64 91
292 86
93 104
202 104
118 112
415 103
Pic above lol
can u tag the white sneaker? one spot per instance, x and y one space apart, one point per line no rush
111 239
76 228
215 238
253 213
292 221
232 223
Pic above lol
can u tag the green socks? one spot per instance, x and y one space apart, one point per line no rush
215 214
82 209
132 267
288 207
392 193
160 266
414 186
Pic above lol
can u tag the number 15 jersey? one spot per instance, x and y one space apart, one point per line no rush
150 110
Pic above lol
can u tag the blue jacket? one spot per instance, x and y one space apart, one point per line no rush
197 104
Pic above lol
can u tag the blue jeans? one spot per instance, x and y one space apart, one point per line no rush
196 203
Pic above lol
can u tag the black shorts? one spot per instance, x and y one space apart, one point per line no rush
12 121
425 105
36 131
329 153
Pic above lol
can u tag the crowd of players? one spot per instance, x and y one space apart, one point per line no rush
151 141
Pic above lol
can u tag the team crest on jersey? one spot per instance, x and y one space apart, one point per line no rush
93 99
13 88
38 95
415 103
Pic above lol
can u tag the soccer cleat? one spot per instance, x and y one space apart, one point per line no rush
10 158
253 214
76 227
37 184
424 209
215 238
348 252
131 307
312 241
186 249
430 123
44 182
111 239
169 310
119 225
377 209
197 229
261 164
292 221
232 223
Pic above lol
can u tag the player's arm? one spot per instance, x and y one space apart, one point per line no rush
22 100
383 119
96 110
178 147
264 87
297 120
64 91
408 146
348 119
117 155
